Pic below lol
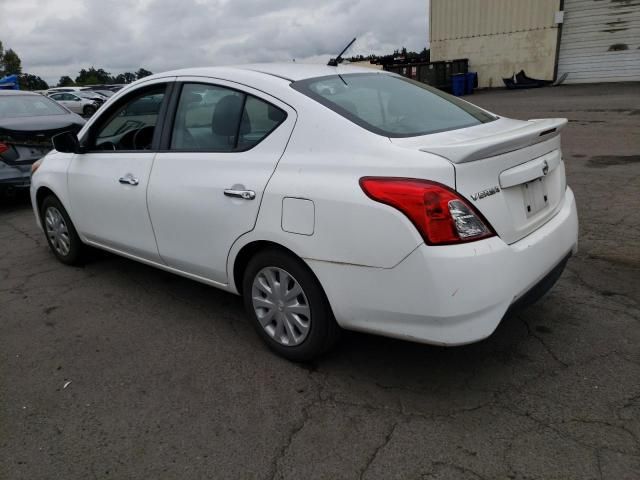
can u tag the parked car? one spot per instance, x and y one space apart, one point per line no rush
63 89
75 102
96 97
27 122
326 196
104 93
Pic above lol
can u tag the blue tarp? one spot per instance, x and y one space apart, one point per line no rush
10 82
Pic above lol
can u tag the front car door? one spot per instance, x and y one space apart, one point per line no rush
108 183
207 181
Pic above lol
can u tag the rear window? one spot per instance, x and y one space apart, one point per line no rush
391 105
13 106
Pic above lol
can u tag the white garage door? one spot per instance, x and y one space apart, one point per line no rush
600 41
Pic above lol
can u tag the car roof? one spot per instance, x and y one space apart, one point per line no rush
16 92
288 71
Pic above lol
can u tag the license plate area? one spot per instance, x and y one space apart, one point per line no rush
535 196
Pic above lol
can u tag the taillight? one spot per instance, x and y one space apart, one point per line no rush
3 148
441 215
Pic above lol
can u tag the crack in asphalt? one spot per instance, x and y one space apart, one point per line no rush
376 451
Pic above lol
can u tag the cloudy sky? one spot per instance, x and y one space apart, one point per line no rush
58 37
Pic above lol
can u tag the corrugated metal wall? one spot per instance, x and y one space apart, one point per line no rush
600 41
452 19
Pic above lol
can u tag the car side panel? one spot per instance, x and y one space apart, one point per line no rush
53 177
324 161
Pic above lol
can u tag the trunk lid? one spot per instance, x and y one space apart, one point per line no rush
510 170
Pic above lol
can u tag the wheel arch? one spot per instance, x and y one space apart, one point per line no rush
247 252
42 193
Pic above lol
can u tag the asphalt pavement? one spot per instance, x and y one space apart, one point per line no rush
118 370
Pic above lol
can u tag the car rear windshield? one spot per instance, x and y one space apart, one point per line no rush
391 105
13 106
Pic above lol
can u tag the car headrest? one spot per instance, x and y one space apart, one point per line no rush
226 116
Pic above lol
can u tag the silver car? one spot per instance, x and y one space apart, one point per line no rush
76 103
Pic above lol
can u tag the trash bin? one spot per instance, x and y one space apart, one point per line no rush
458 84
471 82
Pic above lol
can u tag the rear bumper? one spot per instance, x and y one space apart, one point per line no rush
15 176
449 295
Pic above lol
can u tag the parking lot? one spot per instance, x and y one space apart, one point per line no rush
118 370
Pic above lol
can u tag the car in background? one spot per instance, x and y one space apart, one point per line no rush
76 103
98 98
105 93
27 123
63 89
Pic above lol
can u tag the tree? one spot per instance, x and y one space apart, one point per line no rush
93 77
126 77
143 73
32 82
65 81
11 63
1 60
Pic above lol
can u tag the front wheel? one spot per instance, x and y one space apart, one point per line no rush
61 234
288 306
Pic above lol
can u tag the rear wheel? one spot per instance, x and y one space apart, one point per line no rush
89 110
288 306
61 234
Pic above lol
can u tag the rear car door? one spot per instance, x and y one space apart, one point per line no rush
208 180
108 183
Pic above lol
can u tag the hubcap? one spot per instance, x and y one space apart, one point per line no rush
57 231
281 306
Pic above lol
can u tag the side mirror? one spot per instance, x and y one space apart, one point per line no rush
66 142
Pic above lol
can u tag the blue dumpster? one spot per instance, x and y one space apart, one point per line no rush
471 80
458 84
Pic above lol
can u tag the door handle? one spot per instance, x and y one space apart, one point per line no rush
129 180
244 194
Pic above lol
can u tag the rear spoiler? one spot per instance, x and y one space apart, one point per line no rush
536 131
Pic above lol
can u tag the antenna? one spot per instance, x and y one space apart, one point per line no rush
334 62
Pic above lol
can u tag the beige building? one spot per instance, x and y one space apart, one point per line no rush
589 40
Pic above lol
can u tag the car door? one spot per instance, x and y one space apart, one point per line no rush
108 183
62 100
208 179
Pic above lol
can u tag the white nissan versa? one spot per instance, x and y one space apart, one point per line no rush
326 196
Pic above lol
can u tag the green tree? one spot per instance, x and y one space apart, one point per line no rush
143 73
11 63
32 82
65 81
126 77
1 60
92 76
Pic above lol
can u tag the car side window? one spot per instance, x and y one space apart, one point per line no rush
213 118
130 125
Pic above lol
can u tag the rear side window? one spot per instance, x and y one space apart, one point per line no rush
211 118
390 105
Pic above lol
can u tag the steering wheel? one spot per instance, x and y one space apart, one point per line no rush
143 137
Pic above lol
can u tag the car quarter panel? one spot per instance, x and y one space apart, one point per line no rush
324 161
448 295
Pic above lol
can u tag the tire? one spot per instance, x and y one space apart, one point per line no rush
284 331
61 235
89 110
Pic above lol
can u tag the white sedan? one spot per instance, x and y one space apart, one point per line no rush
328 197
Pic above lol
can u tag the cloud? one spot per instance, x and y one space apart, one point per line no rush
58 38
